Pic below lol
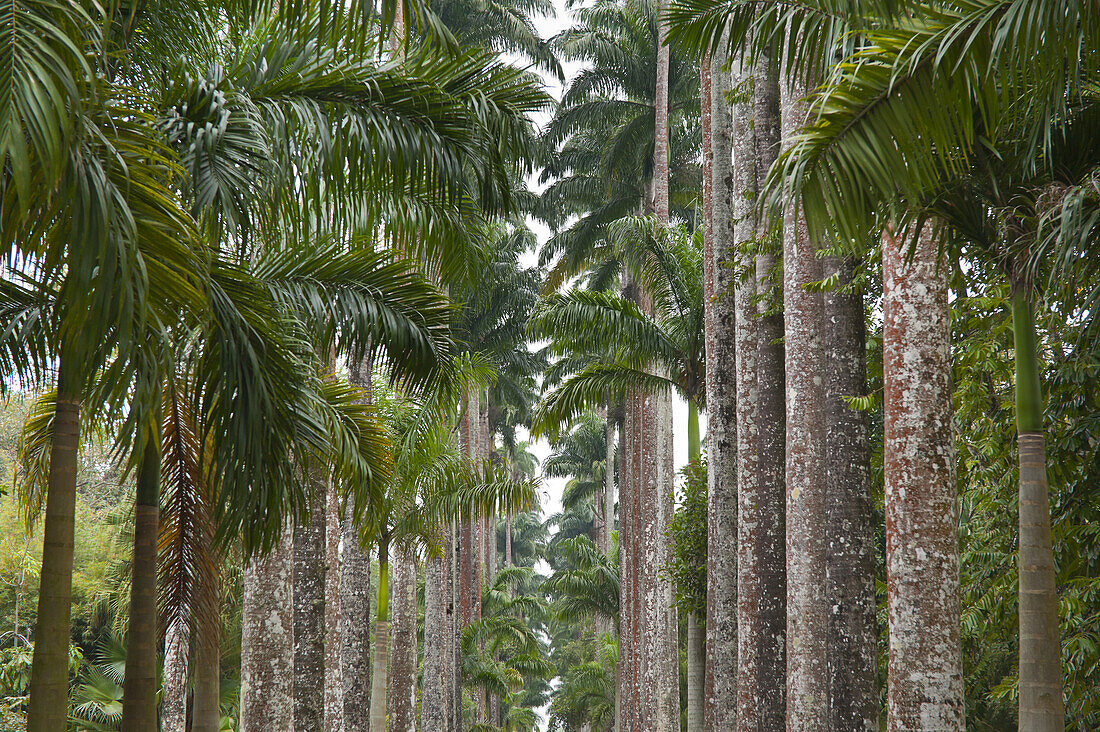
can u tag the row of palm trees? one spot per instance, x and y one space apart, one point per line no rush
195 198
925 132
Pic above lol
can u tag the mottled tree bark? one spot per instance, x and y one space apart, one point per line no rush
432 712
771 664
355 604
309 611
807 612
334 632
267 641
627 559
849 534
662 661
469 550
745 191
925 685
402 696
454 633
173 715
719 257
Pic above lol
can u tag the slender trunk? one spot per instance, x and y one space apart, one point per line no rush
49 687
309 611
849 533
380 677
139 695
454 638
694 443
402 697
771 556
627 496
174 693
1041 708
508 541
720 679
334 632
807 612
745 191
695 656
925 685
206 707
432 714
355 602
267 640
468 547
608 484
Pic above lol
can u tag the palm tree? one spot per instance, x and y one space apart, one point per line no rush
432 483
620 342
1002 61
501 652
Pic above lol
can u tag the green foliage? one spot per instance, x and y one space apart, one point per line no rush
989 495
687 567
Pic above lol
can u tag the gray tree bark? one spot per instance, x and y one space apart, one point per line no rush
807 612
355 605
402 695
267 641
334 632
719 258
925 684
745 191
849 534
173 714
659 665
309 612
771 664
432 712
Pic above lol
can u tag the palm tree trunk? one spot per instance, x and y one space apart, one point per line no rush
720 677
771 556
807 612
174 693
453 638
695 661
628 495
355 603
309 611
608 485
661 664
508 541
380 677
139 696
334 681
49 687
432 714
925 684
849 533
206 707
402 697
267 640
744 226
1041 707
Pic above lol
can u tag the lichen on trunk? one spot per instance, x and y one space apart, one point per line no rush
924 682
